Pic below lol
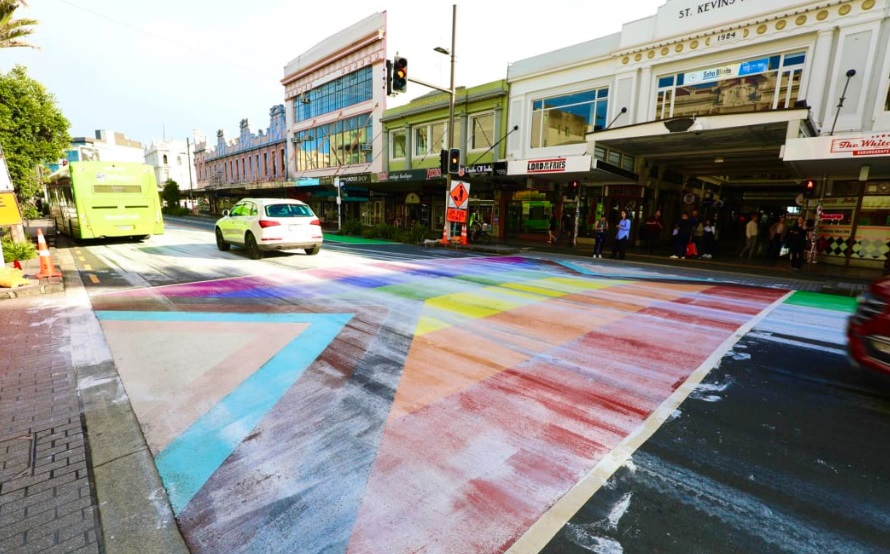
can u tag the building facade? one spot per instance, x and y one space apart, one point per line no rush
722 107
253 164
335 96
172 159
412 190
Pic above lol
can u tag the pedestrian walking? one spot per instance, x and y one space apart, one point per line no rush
568 226
751 231
797 243
621 237
551 229
777 233
654 225
698 233
600 228
680 236
709 240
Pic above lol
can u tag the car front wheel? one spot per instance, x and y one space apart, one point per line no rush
253 249
312 251
220 242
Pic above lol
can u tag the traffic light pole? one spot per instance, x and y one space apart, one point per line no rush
446 235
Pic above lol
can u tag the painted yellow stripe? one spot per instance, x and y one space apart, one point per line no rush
94 279
88 267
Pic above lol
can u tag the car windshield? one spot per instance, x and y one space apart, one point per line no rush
288 210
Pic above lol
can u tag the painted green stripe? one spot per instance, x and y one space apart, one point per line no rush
354 240
823 301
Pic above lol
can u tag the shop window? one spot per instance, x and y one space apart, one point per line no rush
398 144
482 131
346 91
336 144
567 119
751 85
429 139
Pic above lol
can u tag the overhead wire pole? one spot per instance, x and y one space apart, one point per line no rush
446 234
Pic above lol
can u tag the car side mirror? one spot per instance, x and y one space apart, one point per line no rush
225 213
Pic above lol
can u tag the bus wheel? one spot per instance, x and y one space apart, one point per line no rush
220 242
253 249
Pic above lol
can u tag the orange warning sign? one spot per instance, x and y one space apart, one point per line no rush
459 194
456 216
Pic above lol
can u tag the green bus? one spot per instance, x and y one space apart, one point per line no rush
90 200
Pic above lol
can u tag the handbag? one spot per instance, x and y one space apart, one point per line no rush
691 250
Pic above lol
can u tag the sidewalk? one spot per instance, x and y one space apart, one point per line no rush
75 472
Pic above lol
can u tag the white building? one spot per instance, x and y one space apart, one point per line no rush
172 159
725 107
107 146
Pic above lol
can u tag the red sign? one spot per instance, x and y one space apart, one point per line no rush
832 217
455 215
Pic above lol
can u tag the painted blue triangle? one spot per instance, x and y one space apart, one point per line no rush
192 457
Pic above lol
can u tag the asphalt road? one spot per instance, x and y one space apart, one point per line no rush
389 398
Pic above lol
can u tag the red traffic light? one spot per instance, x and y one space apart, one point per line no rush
809 187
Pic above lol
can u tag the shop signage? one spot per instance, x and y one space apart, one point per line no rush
615 191
496 168
409 175
346 179
570 164
832 217
553 165
728 71
307 182
869 145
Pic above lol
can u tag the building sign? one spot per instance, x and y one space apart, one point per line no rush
9 209
869 145
571 164
831 217
554 165
728 71
496 168
409 175
346 179
306 182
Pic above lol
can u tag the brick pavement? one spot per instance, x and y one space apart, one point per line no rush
46 496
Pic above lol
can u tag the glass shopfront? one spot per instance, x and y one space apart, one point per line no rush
567 119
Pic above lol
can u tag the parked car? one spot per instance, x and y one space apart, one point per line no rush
264 224
868 331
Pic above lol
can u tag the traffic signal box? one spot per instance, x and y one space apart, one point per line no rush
454 161
399 74
809 188
443 161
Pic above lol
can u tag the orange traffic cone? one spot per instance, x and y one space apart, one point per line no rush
463 234
47 269
445 234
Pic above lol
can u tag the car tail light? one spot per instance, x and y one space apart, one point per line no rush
268 223
315 222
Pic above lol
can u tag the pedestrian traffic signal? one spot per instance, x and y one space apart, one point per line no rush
443 161
399 74
809 187
573 186
454 161
388 78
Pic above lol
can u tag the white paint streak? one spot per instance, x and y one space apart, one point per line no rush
619 510
542 531
799 344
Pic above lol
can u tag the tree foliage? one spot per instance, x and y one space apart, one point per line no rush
32 130
12 31
171 193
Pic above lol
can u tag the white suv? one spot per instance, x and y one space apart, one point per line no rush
262 224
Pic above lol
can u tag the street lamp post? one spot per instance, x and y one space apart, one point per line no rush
446 234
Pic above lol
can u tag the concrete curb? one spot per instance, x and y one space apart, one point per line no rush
134 510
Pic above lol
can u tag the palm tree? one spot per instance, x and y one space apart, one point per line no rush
12 31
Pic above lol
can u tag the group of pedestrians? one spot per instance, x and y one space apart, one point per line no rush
693 237
781 235
622 236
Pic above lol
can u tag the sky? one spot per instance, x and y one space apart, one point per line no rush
165 69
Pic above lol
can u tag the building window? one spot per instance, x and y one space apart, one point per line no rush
165 159
752 85
398 144
567 119
429 138
344 142
482 131
355 88
887 100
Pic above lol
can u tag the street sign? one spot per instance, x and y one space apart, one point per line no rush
459 195
5 181
455 215
831 217
10 214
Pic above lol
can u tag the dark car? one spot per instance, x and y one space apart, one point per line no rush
868 331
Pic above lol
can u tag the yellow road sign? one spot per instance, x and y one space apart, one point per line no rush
10 214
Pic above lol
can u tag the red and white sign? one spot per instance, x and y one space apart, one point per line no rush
869 145
456 216
831 217
543 166
459 195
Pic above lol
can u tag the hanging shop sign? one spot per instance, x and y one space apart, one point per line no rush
542 166
10 214
877 144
